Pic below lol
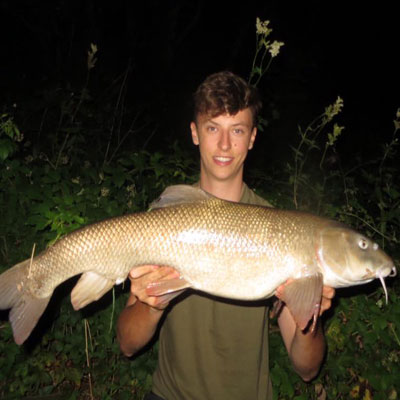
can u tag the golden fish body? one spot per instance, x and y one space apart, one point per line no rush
227 249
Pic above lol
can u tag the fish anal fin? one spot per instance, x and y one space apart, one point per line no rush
90 287
179 194
168 288
303 296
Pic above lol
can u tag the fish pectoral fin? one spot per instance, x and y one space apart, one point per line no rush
90 287
179 194
303 296
168 288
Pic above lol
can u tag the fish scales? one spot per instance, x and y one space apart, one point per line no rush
227 249
196 239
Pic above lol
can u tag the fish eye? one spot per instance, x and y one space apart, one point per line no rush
363 244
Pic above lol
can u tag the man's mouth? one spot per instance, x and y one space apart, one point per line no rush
222 160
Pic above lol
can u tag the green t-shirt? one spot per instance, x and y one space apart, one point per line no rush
214 349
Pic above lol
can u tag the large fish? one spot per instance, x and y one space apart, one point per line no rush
227 249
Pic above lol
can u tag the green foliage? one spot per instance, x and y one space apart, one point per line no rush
54 186
9 136
363 358
363 352
309 143
43 203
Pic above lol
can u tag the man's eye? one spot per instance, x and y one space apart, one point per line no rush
211 129
238 131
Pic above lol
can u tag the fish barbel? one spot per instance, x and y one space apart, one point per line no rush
227 249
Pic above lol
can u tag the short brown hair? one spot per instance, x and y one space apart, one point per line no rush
226 93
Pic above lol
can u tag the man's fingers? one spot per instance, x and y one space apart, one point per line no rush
141 277
153 272
328 292
138 272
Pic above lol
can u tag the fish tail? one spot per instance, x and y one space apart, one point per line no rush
26 309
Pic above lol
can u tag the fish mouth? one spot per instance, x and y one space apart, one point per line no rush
381 274
393 272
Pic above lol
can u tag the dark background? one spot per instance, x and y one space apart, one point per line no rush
330 49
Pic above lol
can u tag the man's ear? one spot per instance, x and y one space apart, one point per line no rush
252 138
195 136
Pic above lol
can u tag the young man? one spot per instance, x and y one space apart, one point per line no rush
212 348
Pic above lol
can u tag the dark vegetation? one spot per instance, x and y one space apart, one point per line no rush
80 143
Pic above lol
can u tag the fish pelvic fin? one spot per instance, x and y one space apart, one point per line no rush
303 296
26 309
168 288
90 287
179 194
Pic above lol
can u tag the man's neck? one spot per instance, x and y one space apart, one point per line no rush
227 189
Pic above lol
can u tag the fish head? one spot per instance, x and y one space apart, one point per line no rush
349 258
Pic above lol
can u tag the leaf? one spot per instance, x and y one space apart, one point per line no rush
119 178
7 147
74 375
38 221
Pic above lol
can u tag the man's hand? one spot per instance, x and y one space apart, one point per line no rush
138 321
141 277
306 349
328 293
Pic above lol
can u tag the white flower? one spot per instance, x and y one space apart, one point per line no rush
275 47
105 191
91 61
335 109
262 27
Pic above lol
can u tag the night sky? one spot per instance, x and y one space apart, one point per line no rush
330 50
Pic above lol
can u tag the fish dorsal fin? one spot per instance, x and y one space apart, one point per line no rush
179 194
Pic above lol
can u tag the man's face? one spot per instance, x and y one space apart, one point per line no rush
224 142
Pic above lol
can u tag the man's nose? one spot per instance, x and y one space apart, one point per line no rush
224 141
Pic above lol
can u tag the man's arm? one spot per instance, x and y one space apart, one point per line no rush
138 321
306 349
